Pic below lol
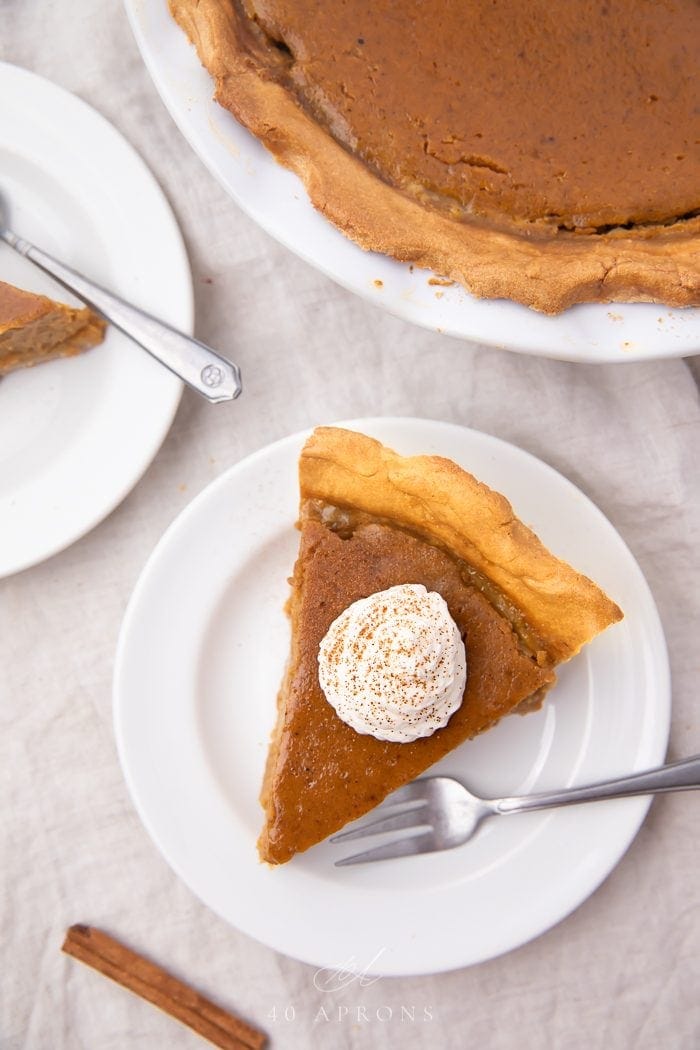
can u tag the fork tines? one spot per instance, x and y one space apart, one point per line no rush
412 802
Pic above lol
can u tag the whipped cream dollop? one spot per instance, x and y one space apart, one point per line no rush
394 665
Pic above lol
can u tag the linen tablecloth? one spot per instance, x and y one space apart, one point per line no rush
623 970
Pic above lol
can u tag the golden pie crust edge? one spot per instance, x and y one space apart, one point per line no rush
438 501
547 275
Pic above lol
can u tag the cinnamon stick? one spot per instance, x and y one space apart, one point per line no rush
151 982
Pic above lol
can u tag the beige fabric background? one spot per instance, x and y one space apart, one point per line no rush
623 970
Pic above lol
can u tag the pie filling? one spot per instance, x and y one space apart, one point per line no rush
346 520
544 153
34 329
515 113
338 774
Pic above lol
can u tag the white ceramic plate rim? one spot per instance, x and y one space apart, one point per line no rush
277 201
142 248
157 761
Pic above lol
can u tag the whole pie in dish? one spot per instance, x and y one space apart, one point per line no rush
34 328
370 520
546 153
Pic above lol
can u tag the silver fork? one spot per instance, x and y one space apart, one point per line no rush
443 814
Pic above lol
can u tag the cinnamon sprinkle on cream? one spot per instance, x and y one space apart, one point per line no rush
393 665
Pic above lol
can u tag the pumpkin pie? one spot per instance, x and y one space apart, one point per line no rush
371 519
34 328
545 153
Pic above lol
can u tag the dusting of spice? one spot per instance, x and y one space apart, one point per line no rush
393 665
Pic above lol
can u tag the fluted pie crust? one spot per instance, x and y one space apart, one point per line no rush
371 519
543 254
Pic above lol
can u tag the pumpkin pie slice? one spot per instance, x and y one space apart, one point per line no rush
370 520
34 328
545 153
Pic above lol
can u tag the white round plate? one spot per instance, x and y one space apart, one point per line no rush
199 662
277 201
77 434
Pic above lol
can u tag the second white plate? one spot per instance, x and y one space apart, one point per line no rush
77 434
199 662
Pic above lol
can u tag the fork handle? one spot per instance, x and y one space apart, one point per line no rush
196 364
677 776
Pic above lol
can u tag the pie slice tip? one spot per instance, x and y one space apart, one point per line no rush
34 328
